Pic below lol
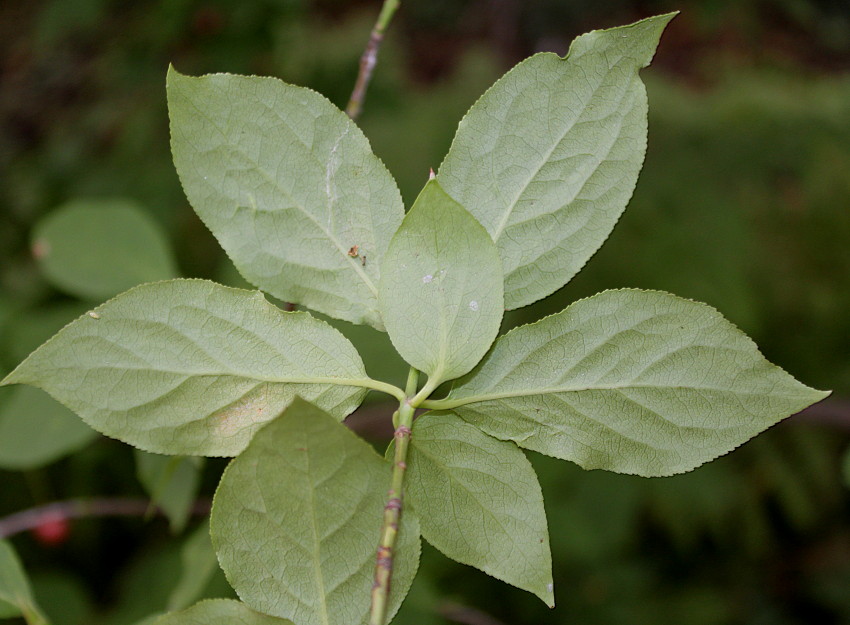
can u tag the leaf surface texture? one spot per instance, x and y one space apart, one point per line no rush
190 367
548 158
297 517
631 381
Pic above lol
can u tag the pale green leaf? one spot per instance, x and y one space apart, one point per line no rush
172 483
296 522
219 612
441 292
36 430
289 186
194 368
632 381
7 610
199 563
15 588
96 248
548 158
479 502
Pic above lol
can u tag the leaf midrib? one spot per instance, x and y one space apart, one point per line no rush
343 252
361 382
317 555
522 188
456 402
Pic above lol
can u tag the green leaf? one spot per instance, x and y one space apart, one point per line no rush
7 610
219 612
15 588
479 502
289 186
631 381
548 158
96 248
35 430
172 483
441 292
191 367
199 564
296 522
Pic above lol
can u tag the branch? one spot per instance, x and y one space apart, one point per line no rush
465 615
370 58
403 420
84 508
833 411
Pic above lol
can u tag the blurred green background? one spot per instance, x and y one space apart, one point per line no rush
744 203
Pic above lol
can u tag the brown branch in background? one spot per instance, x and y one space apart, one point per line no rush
834 411
372 422
85 508
465 615
370 58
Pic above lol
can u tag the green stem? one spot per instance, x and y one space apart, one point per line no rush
412 382
419 400
383 387
370 58
446 404
392 510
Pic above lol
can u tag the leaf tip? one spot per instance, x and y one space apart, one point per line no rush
820 395
548 595
173 77
12 378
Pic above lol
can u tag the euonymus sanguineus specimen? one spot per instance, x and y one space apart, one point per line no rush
540 170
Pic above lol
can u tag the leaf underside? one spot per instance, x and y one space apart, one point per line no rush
191 367
219 612
289 186
441 293
479 502
631 381
548 158
296 521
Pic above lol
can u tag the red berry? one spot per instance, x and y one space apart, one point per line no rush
52 531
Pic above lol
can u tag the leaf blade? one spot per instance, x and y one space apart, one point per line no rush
189 367
631 381
172 483
315 487
549 156
497 522
15 588
198 565
219 612
262 161
96 248
35 430
441 292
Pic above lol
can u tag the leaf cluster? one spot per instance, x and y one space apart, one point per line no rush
538 174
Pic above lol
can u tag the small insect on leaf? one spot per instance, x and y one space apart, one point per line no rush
354 252
93 315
